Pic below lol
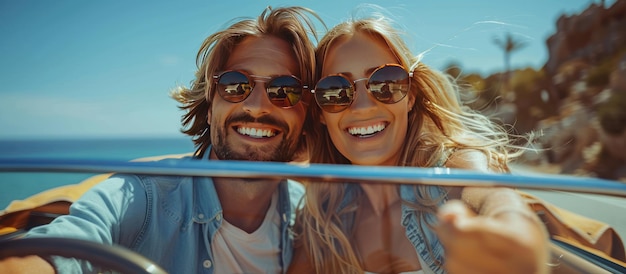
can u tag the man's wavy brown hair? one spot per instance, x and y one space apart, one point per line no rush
292 24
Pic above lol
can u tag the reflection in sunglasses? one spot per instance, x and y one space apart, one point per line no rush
388 84
283 91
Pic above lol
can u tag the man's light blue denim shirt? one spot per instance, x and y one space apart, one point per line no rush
168 219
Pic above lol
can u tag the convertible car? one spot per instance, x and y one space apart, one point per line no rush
579 244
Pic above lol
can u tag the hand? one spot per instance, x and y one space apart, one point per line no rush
29 264
509 242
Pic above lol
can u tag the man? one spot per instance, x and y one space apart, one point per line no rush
213 225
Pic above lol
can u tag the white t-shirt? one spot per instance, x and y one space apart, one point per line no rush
236 251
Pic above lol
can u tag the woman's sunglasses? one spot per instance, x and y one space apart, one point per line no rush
283 91
388 84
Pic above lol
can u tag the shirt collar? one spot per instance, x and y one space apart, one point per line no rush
207 206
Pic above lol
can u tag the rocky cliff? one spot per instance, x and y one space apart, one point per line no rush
588 37
588 134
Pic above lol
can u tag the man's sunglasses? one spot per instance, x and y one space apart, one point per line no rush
387 83
235 86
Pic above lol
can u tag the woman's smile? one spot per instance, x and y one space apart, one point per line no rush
367 131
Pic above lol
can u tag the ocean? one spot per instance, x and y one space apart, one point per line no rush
20 185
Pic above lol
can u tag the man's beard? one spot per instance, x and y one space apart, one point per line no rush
285 151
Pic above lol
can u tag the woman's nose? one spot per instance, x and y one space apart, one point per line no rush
362 98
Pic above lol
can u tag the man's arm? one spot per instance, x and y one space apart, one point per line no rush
108 213
97 216
30 264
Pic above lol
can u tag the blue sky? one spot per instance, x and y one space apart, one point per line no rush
82 69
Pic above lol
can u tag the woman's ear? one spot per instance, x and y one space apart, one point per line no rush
411 103
322 119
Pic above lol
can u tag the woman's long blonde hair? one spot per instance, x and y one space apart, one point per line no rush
438 124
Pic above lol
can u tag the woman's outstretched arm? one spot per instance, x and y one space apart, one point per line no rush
490 229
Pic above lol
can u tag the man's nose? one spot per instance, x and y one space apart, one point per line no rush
257 102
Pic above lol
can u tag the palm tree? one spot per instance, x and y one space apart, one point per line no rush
508 45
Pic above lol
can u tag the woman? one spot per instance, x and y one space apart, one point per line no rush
399 112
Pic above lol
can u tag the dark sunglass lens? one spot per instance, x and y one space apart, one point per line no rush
389 84
284 91
234 86
334 93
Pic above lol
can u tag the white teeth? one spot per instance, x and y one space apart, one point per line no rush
366 130
253 132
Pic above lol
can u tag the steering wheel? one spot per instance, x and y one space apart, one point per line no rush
115 258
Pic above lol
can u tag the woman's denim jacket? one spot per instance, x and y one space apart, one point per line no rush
412 225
